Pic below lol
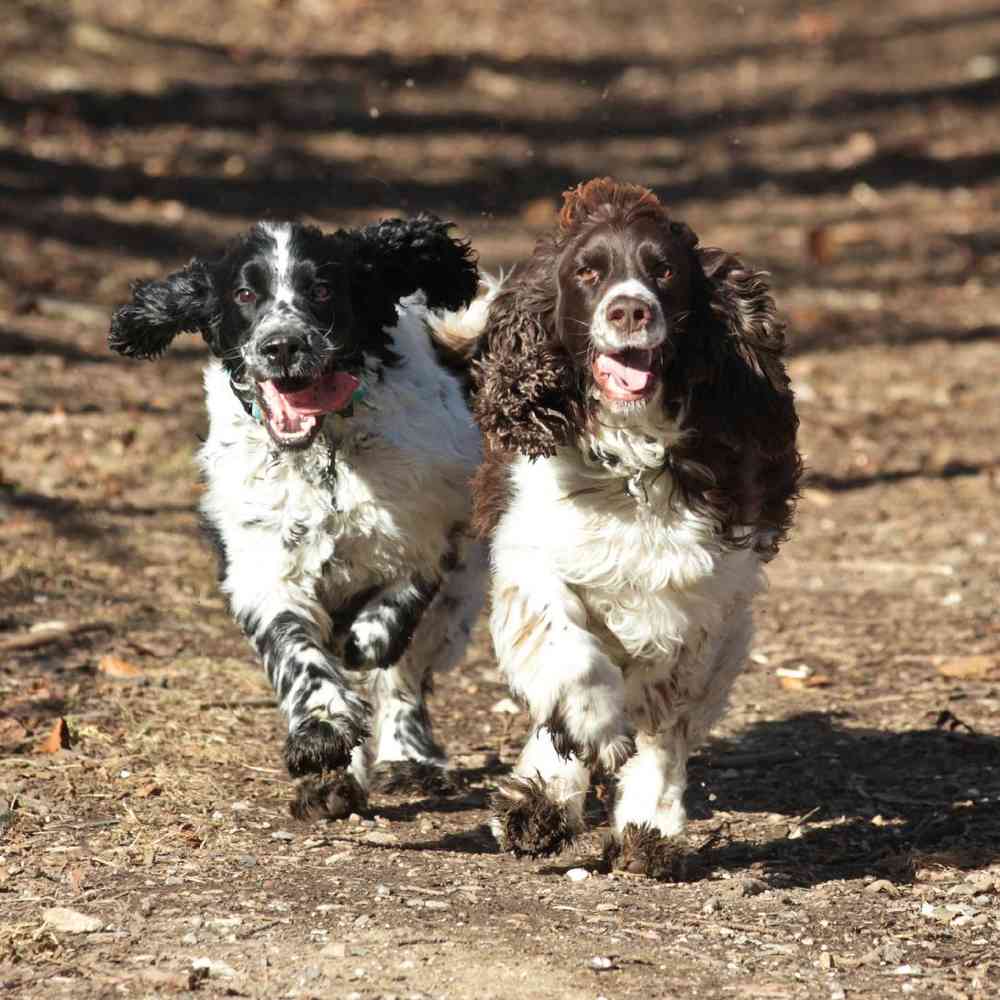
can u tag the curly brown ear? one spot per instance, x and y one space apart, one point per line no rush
742 406
523 382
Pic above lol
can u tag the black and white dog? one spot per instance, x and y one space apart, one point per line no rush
337 467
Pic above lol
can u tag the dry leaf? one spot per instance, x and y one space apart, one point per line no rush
58 738
148 790
969 667
117 668
75 878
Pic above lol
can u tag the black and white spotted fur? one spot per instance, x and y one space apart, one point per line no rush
343 546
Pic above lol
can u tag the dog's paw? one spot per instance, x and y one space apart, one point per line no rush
322 744
408 777
527 822
328 796
642 850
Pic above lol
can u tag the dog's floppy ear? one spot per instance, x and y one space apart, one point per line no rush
397 257
525 397
741 405
184 301
752 345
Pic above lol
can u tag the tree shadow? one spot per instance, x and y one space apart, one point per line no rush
18 343
845 484
876 803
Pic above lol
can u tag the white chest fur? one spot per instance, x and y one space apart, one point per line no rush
650 571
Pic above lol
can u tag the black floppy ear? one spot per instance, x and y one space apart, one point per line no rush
398 257
184 301
524 395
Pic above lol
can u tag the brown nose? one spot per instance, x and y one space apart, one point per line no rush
627 315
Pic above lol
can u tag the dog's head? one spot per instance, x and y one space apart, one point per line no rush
294 313
625 277
621 312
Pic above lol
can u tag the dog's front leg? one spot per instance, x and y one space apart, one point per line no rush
553 662
326 720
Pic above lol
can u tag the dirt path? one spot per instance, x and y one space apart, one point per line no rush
852 149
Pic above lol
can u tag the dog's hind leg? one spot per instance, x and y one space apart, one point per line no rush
404 756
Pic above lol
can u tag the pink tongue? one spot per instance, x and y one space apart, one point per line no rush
619 378
293 411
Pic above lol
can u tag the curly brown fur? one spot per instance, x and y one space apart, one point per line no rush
642 851
491 492
328 796
402 777
526 396
739 461
526 822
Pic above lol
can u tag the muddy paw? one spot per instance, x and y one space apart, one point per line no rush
401 777
322 745
527 822
643 851
328 796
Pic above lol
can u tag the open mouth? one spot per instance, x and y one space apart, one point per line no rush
627 376
294 408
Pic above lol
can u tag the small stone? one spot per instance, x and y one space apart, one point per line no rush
354 819
711 905
601 963
751 887
282 835
506 706
247 861
215 968
335 949
224 923
436 904
882 885
825 961
577 874
67 921
381 837
189 938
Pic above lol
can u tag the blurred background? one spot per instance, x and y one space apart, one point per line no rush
851 148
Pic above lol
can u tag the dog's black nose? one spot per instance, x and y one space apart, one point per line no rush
283 349
627 314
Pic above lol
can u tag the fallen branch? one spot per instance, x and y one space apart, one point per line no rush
46 636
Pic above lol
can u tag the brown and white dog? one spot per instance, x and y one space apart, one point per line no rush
640 468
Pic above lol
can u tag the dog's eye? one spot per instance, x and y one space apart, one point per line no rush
588 275
320 292
245 296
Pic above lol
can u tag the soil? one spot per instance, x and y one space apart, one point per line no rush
847 809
